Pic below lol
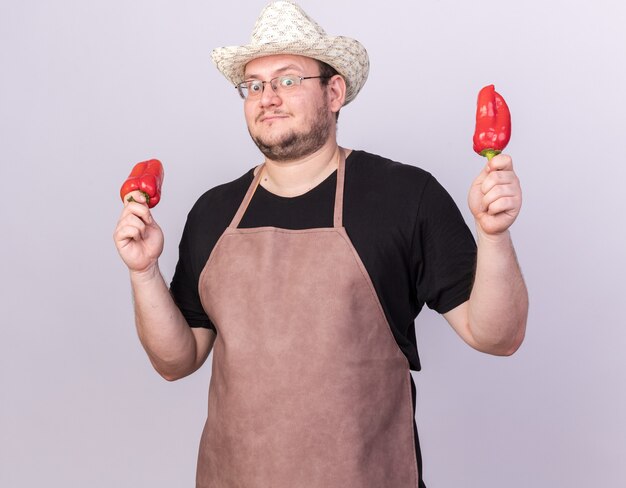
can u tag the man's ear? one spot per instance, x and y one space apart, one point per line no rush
337 92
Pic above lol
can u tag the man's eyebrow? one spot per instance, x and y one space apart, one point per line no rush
289 67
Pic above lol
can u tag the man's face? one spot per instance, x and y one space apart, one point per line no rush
290 125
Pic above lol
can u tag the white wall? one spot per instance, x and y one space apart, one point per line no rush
89 88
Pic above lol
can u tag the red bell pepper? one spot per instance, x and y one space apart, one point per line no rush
147 177
493 123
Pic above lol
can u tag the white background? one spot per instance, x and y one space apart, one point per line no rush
88 88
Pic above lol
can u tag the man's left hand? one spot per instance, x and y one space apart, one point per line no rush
495 197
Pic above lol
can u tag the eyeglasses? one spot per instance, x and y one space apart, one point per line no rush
252 89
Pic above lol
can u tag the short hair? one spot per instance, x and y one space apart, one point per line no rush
327 72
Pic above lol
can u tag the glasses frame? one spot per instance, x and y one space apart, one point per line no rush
243 85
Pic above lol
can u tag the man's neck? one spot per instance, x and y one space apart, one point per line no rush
293 178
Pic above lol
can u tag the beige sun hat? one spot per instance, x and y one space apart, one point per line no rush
284 28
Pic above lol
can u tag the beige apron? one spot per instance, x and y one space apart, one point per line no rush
309 388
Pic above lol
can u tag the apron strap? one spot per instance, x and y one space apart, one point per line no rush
341 173
246 200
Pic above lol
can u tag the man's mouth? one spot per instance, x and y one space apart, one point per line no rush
270 117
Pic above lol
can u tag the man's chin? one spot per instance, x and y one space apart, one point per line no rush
275 142
278 148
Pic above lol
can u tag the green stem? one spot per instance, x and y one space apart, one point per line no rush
131 199
490 153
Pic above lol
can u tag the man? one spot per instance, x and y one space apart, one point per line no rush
305 275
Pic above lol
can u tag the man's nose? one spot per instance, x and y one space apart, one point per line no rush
269 96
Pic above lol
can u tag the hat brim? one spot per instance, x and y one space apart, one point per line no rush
346 55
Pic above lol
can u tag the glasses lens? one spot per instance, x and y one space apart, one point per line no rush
250 89
255 88
287 82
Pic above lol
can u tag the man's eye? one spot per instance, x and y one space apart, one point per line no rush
255 86
287 81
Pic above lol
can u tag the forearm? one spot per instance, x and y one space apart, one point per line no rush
498 305
162 329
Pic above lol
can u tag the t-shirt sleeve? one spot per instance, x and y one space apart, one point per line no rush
446 250
184 285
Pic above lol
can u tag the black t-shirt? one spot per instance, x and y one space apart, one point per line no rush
405 227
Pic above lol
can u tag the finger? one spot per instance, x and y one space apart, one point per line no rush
124 234
135 221
131 222
503 205
496 178
500 162
140 210
497 192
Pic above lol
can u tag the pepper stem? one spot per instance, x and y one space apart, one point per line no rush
490 153
131 199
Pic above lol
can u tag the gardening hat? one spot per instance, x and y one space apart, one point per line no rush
284 28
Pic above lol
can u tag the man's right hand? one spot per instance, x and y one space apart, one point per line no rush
138 238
